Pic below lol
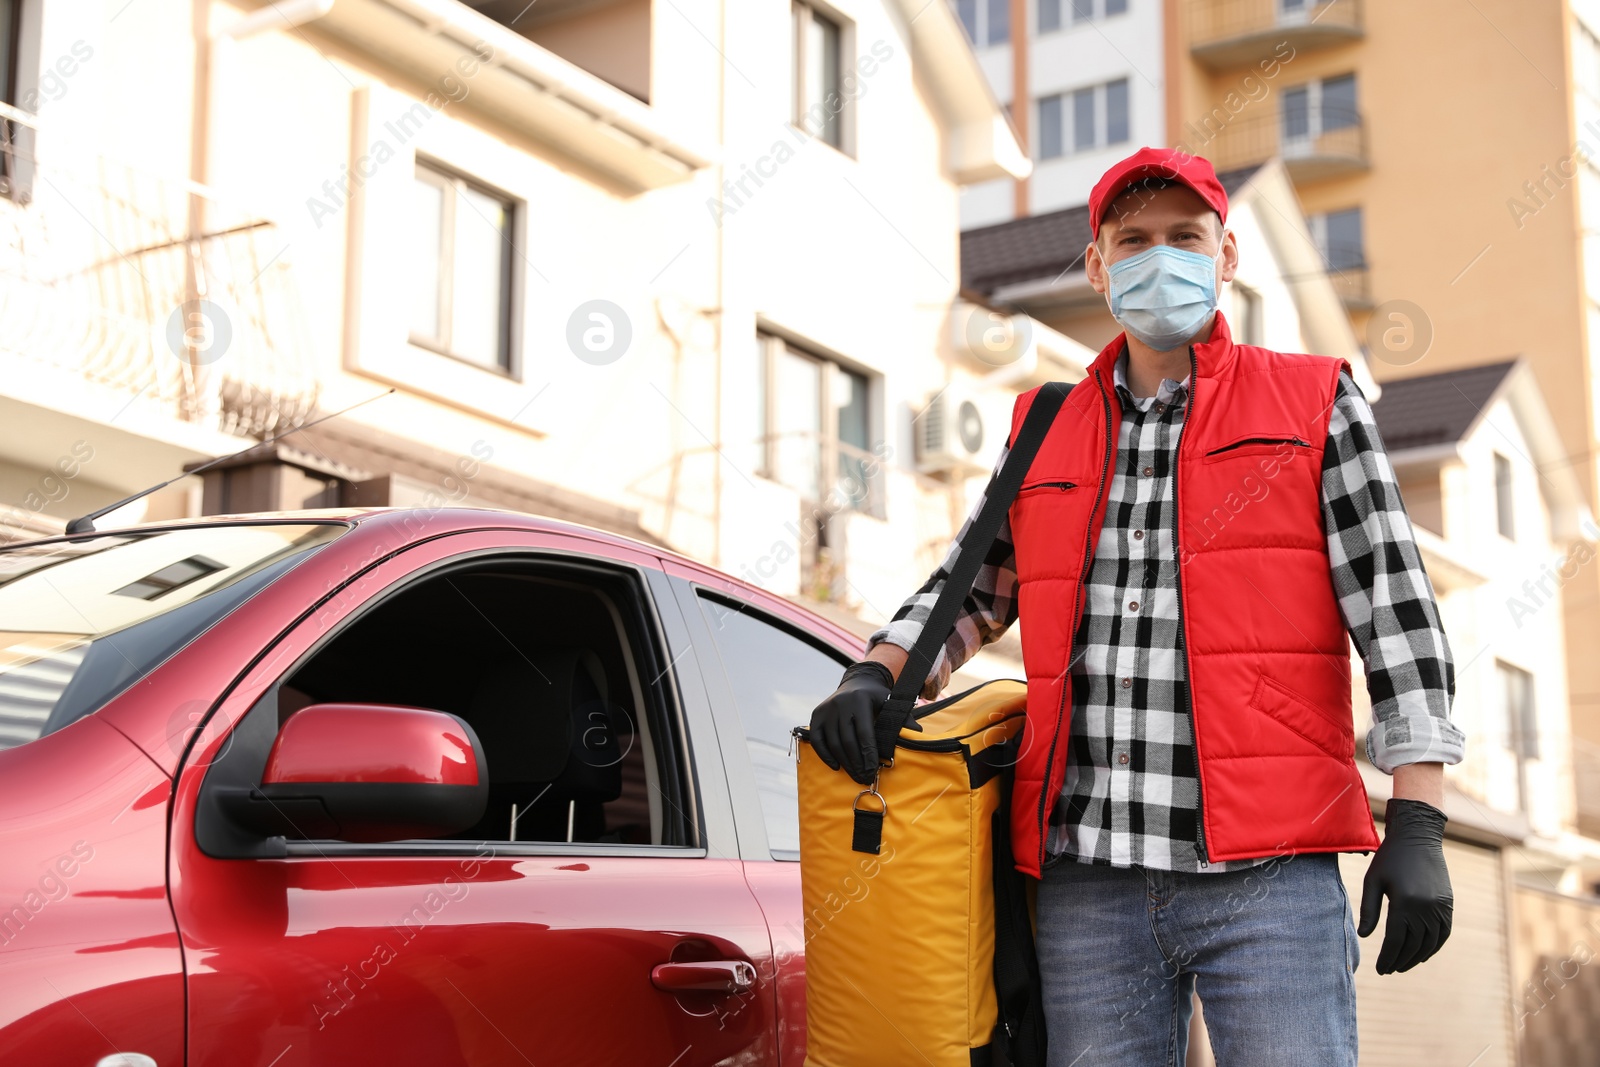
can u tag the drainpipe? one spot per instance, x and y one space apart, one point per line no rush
1021 95
211 53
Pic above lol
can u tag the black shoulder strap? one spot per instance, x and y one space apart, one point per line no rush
997 498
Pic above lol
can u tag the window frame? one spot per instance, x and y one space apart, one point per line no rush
1505 504
980 31
1066 133
19 140
1322 238
753 841
451 181
771 345
1315 124
802 13
661 686
1521 721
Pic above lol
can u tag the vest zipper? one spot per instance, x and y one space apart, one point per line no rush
1048 485
1183 637
1077 606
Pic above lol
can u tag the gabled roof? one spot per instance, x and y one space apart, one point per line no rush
1040 246
1437 409
1423 420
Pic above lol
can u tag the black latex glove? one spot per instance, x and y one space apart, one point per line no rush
843 726
1409 869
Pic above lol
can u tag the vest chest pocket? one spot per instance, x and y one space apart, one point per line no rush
1043 513
1284 446
1059 485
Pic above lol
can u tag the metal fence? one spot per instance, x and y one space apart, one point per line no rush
148 284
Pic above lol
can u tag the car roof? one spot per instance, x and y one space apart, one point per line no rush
457 518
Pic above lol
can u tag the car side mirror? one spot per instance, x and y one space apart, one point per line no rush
367 772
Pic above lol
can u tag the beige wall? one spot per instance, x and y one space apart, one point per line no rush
1462 107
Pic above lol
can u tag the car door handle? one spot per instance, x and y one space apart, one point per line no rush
707 976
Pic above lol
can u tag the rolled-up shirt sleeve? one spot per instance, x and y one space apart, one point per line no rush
985 615
1384 594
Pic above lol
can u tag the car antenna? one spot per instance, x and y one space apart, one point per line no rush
85 523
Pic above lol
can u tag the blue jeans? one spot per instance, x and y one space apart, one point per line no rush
1271 950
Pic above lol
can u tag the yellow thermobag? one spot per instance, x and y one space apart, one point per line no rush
900 943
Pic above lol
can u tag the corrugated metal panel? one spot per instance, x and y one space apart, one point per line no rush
1456 1008
1558 978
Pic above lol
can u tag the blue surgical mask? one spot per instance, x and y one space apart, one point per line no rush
1163 295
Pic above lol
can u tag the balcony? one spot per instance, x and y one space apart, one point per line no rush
148 286
1226 34
1313 155
1352 285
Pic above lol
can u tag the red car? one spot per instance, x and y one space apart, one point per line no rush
403 787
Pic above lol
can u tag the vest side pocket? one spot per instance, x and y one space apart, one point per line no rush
1300 716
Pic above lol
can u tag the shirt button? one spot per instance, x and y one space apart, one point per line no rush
1148 471
1138 535
1133 605
1160 408
1122 757
1127 683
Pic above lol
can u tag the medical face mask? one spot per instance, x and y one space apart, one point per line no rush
1163 295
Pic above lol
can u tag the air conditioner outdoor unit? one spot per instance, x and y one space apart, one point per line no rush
961 431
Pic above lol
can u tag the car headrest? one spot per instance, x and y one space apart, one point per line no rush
544 720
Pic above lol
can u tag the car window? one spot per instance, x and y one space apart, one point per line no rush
777 677
554 668
83 619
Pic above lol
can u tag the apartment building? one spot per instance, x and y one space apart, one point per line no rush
1091 76
683 271
1451 192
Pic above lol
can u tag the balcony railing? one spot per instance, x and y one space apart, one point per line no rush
1351 283
149 285
1309 156
1233 33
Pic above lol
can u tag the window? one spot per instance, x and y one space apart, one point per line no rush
1117 111
818 57
1082 11
1319 107
1504 504
1050 127
987 21
149 595
1083 123
19 68
552 666
461 269
776 678
999 21
1520 722
1098 116
816 425
1338 237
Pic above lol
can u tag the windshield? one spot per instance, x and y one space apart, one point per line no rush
82 620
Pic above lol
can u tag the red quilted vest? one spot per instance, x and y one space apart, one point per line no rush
1267 652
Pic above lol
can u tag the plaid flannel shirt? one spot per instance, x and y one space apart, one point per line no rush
1131 793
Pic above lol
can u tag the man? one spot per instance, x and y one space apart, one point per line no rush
1202 527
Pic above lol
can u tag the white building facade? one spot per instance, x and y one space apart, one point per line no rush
1095 91
686 271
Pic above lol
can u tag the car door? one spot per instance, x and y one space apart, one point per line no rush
541 940
766 665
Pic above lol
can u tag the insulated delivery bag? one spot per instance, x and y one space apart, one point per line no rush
919 940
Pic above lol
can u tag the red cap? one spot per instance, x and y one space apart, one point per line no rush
1173 164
